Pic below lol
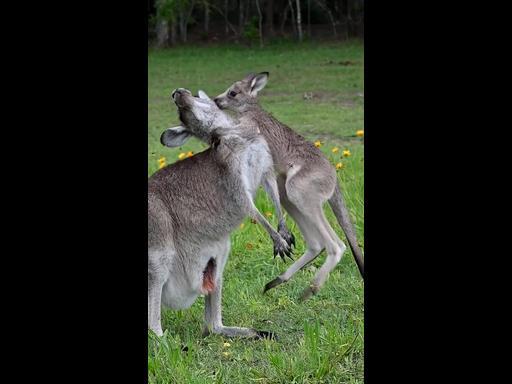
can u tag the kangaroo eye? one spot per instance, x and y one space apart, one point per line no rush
232 93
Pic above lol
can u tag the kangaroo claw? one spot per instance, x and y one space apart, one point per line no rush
287 236
308 292
282 249
272 284
265 335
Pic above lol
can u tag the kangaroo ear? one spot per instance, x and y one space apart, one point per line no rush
203 95
174 137
258 83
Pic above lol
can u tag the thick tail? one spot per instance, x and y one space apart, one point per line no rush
339 208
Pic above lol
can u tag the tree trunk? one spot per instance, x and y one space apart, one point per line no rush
184 16
240 17
226 21
324 6
260 20
206 17
183 26
299 21
162 34
269 13
293 18
174 32
285 17
309 19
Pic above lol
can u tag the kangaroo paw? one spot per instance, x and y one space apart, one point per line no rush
308 293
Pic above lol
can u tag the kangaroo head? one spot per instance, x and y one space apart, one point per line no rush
200 117
242 94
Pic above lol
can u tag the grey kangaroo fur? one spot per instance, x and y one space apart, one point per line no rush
194 205
305 178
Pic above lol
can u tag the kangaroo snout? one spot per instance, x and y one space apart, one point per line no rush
178 92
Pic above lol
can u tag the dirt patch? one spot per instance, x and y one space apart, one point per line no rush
343 100
344 63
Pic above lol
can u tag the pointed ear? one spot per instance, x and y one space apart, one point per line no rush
249 77
203 95
258 83
174 137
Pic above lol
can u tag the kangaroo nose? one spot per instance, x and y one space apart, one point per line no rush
179 91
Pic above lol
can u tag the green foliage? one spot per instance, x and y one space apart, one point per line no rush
250 31
166 9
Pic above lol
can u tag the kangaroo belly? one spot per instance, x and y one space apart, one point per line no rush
195 274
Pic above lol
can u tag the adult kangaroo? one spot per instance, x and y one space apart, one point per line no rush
194 205
305 179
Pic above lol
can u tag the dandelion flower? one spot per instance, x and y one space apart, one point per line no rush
339 165
226 354
360 133
346 153
182 155
190 154
268 214
335 149
227 345
318 144
161 162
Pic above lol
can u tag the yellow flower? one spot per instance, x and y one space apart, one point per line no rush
268 214
226 354
360 133
190 154
346 153
227 345
318 144
335 149
161 165
339 165
181 156
161 162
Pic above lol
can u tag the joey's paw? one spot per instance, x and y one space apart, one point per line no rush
287 236
282 249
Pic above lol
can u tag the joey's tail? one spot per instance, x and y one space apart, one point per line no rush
339 208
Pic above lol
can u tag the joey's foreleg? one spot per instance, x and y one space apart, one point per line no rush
281 246
270 186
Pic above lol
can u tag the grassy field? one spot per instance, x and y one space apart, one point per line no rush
320 340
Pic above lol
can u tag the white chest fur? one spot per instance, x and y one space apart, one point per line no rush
254 163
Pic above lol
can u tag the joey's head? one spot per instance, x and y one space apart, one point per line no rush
200 117
241 95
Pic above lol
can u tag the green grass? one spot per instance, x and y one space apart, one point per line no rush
321 340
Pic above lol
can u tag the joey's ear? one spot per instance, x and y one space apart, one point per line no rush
249 77
203 95
174 137
258 83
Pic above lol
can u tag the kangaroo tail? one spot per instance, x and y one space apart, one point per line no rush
339 208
